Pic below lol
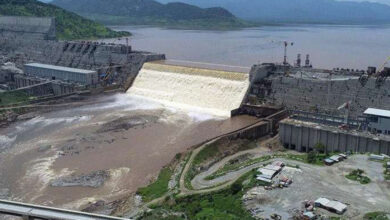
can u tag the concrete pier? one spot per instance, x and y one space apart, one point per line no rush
303 136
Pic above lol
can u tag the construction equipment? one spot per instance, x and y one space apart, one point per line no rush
383 65
298 62
286 44
382 74
307 61
109 73
346 106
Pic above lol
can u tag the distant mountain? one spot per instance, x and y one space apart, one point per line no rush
301 11
68 25
150 12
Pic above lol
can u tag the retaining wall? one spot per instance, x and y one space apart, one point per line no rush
301 137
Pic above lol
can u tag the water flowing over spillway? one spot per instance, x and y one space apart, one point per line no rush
212 91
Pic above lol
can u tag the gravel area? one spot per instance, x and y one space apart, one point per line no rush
312 182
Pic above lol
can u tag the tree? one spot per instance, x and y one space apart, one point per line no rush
236 187
319 147
311 157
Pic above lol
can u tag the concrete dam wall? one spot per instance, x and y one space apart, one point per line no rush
42 28
312 90
212 91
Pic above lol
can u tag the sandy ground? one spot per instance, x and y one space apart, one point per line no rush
129 137
312 182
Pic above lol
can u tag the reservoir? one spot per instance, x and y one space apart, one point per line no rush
329 46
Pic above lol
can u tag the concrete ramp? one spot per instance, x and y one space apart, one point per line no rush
217 92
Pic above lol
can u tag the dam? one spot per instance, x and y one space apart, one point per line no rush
216 92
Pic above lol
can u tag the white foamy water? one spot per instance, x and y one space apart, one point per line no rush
41 173
124 102
6 142
41 121
190 91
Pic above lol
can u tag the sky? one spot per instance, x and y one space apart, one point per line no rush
379 1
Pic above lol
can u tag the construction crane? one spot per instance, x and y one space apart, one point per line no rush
384 64
381 75
286 44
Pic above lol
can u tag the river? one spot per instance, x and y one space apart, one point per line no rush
328 45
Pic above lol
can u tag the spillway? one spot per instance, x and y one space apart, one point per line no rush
211 91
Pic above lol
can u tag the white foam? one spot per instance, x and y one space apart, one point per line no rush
127 102
6 141
212 95
41 173
200 116
41 121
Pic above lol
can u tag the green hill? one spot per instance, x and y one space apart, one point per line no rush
69 26
150 12
302 11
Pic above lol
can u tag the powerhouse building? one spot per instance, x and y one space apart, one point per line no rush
81 76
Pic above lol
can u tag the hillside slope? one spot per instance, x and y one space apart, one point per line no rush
150 12
69 26
301 11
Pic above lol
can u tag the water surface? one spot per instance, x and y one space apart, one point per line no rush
328 46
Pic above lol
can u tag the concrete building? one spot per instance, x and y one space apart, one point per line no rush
331 205
378 120
303 136
84 77
42 28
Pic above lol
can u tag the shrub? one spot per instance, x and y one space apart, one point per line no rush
236 187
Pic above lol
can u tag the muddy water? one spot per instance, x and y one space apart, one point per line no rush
127 136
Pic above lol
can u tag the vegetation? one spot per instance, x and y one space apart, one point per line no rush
310 11
196 24
224 204
157 188
313 158
229 167
357 175
376 216
69 26
386 171
212 153
151 12
317 156
9 98
207 152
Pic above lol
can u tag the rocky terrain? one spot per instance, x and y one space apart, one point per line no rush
94 179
